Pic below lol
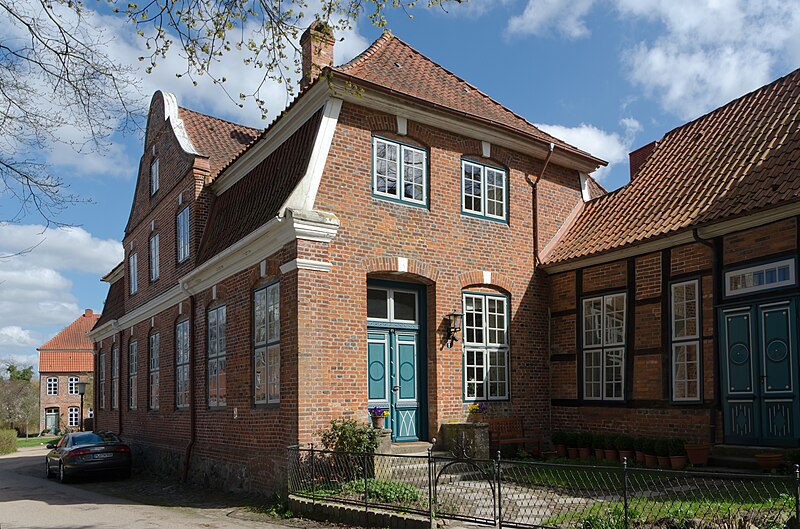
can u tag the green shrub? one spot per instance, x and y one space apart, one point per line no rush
611 441
347 435
638 444
597 440
585 440
385 491
572 440
559 438
662 447
624 442
677 447
649 446
8 441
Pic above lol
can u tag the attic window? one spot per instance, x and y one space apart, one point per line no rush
154 177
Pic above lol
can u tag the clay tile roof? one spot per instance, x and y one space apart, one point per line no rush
65 362
393 64
741 158
595 189
73 336
114 306
216 138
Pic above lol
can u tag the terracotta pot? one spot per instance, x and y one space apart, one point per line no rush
678 462
549 454
561 450
475 417
664 462
612 455
599 453
698 454
378 421
639 456
769 461
626 454
572 453
584 453
650 461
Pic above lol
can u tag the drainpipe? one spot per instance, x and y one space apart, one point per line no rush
119 370
535 186
188 453
715 270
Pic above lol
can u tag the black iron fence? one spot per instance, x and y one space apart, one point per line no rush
540 494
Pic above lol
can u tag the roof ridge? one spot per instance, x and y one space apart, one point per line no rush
378 43
218 118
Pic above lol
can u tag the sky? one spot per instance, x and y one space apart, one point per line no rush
607 76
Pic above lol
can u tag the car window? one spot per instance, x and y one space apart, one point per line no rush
93 438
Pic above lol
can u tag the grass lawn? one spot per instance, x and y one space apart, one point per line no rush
34 441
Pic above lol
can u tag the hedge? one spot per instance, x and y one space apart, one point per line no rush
8 441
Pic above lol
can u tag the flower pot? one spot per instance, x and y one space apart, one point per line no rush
626 454
475 417
678 462
584 453
664 463
769 461
599 453
650 461
561 450
612 455
549 454
572 453
698 454
640 456
378 421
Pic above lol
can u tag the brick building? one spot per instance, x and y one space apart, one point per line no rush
66 359
274 280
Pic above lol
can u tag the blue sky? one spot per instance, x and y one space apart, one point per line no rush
605 75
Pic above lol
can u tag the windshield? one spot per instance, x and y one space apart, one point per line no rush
93 438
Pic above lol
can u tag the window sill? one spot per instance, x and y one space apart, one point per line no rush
392 200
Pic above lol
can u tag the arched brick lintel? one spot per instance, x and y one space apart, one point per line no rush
485 278
401 265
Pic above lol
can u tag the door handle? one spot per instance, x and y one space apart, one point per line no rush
395 388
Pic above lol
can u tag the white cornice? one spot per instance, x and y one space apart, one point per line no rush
116 274
171 114
305 264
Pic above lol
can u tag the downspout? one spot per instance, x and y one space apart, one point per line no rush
188 453
535 186
715 349
119 370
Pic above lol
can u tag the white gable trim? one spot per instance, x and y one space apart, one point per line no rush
585 193
178 128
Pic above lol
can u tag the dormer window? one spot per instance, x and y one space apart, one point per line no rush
399 172
154 177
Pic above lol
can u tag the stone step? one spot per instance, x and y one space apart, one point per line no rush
733 462
412 448
742 450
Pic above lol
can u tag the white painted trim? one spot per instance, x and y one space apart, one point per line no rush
487 277
760 268
486 149
402 264
305 194
585 193
305 264
116 274
178 128
402 126
262 268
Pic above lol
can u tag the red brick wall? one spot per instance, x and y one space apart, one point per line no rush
760 242
63 400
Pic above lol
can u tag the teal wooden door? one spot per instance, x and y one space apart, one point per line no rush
392 380
759 366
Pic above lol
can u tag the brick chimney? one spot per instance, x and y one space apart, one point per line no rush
316 44
88 312
639 156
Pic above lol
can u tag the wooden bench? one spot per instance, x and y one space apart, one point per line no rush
505 431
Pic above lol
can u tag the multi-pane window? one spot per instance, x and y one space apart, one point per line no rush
155 345
762 277
182 364
399 171
604 347
155 268
133 267
102 376
267 335
154 177
685 323
52 386
483 190
182 227
115 378
133 375
216 357
485 347
73 416
72 385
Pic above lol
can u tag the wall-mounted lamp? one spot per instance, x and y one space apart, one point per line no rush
453 326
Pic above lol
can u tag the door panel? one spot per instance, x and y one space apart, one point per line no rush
404 376
378 369
778 365
742 421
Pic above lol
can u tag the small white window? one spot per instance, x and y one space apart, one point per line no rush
155 345
182 226
133 375
604 347
763 277
154 177
72 385
52 386
685 324
267 323
483 190
73 416
182 364
485 347
133 268
155 268
391 305
399 171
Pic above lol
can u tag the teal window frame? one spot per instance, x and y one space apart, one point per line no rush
485 348
399 195
483 213
267 344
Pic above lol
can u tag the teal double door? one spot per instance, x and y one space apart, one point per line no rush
759 364
395 357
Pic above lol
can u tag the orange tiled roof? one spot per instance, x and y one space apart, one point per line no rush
391 63
216 138
65 362
739 159
73 336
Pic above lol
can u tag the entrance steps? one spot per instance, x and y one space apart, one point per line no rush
740 456
417 448
414 469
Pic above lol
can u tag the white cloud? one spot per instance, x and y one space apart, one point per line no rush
542 17
16 336
612 147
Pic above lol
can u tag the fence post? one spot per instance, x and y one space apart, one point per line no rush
430 483
625 488
797 495
313 477
499 480
366 480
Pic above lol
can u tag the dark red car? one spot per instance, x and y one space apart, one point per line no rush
85 452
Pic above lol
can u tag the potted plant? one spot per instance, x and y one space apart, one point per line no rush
378 416
662 453
560 442
677 454
698 453
638 448
572 445
769 461
611 448
585 445
476 411
649 448
625 447
598 443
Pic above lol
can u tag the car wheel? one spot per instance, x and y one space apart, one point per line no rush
47 469
62 473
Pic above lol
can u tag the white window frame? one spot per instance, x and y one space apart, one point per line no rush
102 377
133 374
606 347
390 312
72 385
154 371
762 268
73 417
154 176
266 339
217 356
115 378
155 257
182 229
484 189
686 340
52 386
402 148
479 348
133 266
182 364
